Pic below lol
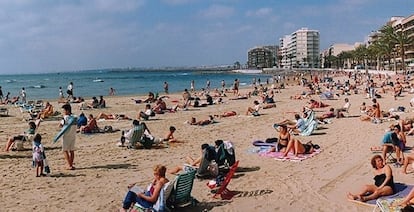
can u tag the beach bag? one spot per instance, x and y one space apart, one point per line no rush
213 168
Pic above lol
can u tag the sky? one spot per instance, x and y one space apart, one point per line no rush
39 36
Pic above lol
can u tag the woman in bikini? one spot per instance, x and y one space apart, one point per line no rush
287 143
384 182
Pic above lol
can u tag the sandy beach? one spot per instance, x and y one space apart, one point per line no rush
103 170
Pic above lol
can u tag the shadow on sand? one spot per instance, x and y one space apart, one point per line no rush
110 166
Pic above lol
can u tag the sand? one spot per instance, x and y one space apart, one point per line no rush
104 170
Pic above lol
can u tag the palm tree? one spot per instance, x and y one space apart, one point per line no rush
395 42
402 40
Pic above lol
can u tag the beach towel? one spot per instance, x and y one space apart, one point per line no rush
402 190
290 157
309 129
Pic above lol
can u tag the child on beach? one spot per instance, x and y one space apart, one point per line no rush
38 155
170 135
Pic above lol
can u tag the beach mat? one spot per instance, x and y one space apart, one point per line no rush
402 190
290 157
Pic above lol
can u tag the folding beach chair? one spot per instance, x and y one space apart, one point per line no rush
181 193
160 205
223 191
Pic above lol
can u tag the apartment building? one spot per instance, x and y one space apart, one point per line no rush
300 49
262 57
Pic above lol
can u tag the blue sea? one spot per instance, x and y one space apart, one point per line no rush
125 82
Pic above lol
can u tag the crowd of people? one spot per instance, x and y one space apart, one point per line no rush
262 97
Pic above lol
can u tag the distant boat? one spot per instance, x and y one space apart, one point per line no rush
39 86
98 80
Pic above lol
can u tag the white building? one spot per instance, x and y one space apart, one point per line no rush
300 49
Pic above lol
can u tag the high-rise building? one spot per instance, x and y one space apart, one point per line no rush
300 49
262 57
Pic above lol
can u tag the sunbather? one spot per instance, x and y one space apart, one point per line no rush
112 116
383 186
316 104
46 112
193 121
408 201
170 135
160 106
208 154
91 127
344 108
146 113
327 115
287 143
22 137
255 109
226 114
146 198
151 98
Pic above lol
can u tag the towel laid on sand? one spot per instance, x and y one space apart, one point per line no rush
289 157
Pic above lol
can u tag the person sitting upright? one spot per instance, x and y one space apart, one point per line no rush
24 137
384 182
102 102
146 198
94 103
91 126
254 110
46 112
147 113
344 108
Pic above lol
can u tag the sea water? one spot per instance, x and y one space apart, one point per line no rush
136 82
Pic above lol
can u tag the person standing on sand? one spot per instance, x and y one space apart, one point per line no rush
223 85
208 85
236 87
69 137
61 93
23 95
70 90
192 88
111 91
1 95
166 87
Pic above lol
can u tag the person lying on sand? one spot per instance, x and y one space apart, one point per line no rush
226 114
112 116
193 121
